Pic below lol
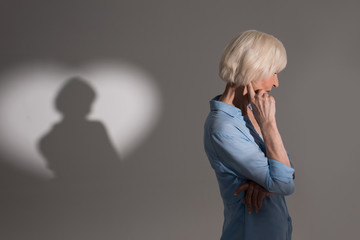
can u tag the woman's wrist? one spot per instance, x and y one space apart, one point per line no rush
269 125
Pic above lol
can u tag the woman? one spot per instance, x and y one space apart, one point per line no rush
243 144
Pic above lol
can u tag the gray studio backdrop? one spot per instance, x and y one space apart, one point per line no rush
164 188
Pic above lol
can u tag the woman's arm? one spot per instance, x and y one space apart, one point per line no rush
248 161
255 195
274 147
273 143
263 108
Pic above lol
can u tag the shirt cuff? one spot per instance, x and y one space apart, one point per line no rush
292 165
281 171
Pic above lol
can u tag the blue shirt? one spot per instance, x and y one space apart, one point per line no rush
237 153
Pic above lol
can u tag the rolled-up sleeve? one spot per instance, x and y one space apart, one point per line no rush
247 160
292 165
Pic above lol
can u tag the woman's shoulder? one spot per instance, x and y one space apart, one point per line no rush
225 126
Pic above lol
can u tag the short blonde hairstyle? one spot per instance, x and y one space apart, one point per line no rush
251 56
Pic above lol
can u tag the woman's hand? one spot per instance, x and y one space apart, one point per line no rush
255 193
263 105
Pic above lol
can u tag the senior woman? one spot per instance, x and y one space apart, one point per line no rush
243 144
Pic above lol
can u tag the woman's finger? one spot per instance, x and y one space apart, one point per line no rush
248 196
241 188
261 92
261 198
255 198
251 92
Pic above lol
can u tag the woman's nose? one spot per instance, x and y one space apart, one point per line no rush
276 81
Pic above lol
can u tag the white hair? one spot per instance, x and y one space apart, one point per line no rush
251 56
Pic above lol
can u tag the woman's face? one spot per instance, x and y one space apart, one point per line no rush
267 83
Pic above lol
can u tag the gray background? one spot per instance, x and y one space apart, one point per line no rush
166 189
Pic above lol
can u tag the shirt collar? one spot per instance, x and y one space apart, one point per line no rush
216 105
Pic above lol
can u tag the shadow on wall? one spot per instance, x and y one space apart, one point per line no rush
85 197
77 149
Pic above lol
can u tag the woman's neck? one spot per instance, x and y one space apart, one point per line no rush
236 96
